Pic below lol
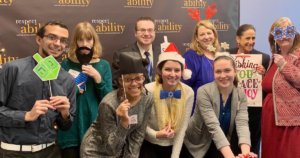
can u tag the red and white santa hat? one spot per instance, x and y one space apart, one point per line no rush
172 53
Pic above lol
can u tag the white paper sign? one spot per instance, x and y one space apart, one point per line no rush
249 79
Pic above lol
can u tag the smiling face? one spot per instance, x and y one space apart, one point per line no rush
246 41
145 32
133 85
224 73
53 42
285 42
170 73
205 37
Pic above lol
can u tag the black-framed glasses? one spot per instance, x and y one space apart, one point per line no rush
54 38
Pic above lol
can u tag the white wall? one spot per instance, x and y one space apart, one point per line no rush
262 13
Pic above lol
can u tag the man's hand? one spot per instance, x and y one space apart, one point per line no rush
122 112
40 107
62 105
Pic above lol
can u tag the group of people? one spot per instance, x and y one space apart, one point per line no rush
151 103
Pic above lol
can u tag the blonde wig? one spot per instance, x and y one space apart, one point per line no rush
171 110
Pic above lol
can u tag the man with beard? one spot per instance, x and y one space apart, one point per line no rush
143 47
31 110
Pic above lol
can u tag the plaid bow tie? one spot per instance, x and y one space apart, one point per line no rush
168 94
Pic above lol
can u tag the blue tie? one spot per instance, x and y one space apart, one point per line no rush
168 94
81 78
149 66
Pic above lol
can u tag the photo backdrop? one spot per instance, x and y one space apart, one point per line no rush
113 20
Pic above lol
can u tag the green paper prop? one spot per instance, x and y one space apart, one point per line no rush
47 68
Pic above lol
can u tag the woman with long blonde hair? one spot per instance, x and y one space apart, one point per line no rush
199 58
173 101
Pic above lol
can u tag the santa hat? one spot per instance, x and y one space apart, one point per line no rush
172 53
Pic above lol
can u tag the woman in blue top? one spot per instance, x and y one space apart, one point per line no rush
94 80
199 58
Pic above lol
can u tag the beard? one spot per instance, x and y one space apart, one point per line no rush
84 55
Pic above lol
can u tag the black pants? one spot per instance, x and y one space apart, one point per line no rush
185 152
72 152
49 152
255 127
213 152
149 150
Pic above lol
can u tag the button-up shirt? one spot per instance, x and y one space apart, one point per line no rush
20 88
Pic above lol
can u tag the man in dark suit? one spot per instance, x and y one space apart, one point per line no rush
143 47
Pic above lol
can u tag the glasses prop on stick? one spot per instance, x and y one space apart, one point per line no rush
125 97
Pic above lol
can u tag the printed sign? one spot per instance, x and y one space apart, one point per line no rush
249 79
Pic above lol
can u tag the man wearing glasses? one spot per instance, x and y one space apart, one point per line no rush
31 110
145 35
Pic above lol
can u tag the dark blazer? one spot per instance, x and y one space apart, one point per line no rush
133 48
265 57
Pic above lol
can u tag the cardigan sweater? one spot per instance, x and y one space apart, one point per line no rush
286 92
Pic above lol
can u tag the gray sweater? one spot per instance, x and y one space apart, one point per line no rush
108 138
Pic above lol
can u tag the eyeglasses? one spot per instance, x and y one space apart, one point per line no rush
146 30
138 79
54 38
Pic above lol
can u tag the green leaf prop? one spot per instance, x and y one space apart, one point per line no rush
47 68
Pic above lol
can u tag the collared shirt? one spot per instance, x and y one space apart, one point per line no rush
225 113
20 89
142 51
